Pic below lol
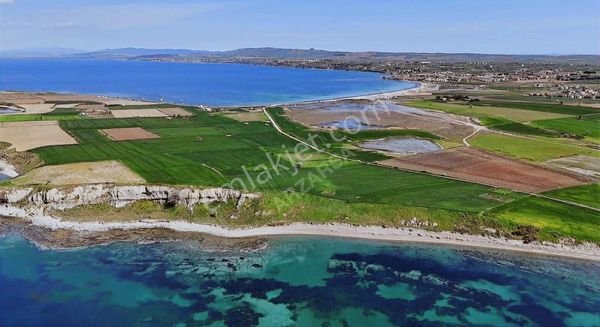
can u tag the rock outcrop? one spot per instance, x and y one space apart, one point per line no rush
119 196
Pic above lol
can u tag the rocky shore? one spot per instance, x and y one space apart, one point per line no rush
28 198
29 209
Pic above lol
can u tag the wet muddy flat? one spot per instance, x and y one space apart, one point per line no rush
8 110
404 146
361 106
349 124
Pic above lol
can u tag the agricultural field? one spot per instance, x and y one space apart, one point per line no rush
211 150
528 148
128 133
555 108
246 116
502 110
242 150
29 135
80 173
383 133
482 167
553 219
588 127
132 113
588 195
505 125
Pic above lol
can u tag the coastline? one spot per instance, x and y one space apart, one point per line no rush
585 251
419 89
131 98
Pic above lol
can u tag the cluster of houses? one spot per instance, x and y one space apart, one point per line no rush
570 91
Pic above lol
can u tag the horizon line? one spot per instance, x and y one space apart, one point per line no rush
305 49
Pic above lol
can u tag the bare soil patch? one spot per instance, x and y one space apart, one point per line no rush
20 98
41 97
433 124
486 168
33 134
132 113
175 112
124 134
580 164
246 116
123 102
80 173
37 108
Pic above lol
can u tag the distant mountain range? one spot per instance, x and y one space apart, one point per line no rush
38 53
279 53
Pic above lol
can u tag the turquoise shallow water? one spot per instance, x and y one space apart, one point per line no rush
190 83
301 281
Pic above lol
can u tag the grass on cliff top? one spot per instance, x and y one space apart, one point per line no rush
278 208
554 220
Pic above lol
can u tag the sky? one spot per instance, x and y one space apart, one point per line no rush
476 26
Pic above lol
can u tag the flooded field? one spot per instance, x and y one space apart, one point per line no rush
361 106
8 110
402 145
349 124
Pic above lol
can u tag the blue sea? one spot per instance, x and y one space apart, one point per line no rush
295 281
190 83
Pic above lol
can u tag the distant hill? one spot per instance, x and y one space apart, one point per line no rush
38 53
125 53
280 53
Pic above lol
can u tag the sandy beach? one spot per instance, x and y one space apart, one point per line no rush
586 251
420 89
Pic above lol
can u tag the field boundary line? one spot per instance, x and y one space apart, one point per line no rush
566 202
280 130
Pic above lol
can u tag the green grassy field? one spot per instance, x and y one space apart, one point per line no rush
383 133
588 195
541 107
529 149
553 219
280 207
588 127
480 111
505 125
212 150
141 106
59 114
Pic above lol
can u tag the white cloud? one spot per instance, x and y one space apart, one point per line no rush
3 2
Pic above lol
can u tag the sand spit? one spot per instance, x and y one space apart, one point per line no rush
420 89
585 251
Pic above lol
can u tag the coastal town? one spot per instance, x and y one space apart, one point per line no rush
576 78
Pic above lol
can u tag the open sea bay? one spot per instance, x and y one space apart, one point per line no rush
190 83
